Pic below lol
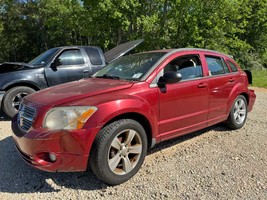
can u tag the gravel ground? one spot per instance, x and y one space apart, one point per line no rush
214 163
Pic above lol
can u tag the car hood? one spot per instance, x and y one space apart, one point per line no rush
14 66
76 90
121 50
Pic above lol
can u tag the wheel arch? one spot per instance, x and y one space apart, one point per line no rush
235 118
239 89
246 96
21 84
140 119
7 105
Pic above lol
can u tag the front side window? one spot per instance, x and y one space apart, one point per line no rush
188 66
71 57
215 65
43 58
131 67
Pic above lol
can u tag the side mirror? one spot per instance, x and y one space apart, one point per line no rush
169 78
55 63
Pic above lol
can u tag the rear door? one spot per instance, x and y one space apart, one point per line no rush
183 106
70 66
221 83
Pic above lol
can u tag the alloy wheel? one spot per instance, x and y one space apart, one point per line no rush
17 100
240 111
124 152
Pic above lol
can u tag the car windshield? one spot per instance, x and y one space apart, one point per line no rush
44 57
132 67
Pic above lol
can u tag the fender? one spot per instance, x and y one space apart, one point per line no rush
22 83
112 109
237 90
34 77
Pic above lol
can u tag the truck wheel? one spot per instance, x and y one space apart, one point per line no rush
118 151
238 113
13 98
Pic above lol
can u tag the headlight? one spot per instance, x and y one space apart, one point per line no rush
68 118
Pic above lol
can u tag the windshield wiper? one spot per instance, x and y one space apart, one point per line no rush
108 76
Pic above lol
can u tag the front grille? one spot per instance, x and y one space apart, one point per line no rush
25 117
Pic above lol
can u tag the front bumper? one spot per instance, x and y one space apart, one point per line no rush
252 99
71 148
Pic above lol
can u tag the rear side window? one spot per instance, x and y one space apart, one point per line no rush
94 56
216 65
232 66
71 57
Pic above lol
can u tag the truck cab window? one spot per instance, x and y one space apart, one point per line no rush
94 56
71 57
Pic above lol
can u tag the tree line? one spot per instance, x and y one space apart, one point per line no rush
235 27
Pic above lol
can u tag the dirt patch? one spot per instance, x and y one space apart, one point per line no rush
214 163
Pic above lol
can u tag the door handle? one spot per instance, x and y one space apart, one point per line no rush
86 73
202 85
231 79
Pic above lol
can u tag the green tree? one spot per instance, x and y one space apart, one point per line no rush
30 27
236 27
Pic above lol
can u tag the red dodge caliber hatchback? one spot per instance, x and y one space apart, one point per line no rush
109 121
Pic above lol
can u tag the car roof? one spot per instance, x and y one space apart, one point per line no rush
73 46
190 49
169 52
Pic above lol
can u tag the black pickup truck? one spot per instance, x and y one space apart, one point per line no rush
54 66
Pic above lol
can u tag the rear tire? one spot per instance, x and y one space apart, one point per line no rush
13 98
238 114
118 151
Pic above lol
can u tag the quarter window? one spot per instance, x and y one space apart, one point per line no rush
71 57
215 65
232 66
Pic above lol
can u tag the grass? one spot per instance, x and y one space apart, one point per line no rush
259 78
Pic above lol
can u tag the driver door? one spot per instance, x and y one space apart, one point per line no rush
184 105
68 66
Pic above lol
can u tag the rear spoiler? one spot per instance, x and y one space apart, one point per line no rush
249 75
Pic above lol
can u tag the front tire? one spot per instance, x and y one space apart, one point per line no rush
238 113
13 98
118 151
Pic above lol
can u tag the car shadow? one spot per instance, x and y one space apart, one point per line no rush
3 117
168 143
18 177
